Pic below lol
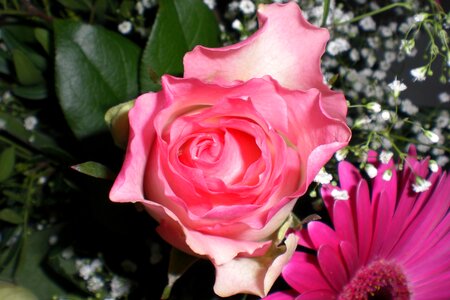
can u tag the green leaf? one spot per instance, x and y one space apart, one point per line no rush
42 36
95 69
10 216
174 33
76 4
30 271
4 57
7 160
10 291
26 72
94 169
179 263
18 37
34 138
33 92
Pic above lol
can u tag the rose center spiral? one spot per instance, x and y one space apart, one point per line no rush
381 280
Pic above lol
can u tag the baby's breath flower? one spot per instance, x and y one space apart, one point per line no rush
95 284
119 287
354 55
408 107
443 119
149 3
339 194
419 74
67 253
385 156
247 7
407 46
397 86
420 17
442 160
433 137
125 27
210 3
374 106
387 175
52 240
371 170
337 46
30 122
323 177
140 8
386 115
421 185
237 25
368 24
444 97
341 154
433 165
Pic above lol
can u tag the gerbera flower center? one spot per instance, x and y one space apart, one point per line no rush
379 280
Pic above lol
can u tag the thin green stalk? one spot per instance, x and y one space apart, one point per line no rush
326 10
413 141
22 150
26 217
400 153
375 12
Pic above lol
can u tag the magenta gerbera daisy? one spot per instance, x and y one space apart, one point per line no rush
390 240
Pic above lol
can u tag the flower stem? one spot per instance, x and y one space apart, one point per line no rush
375 12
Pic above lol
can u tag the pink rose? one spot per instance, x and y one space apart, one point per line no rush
220 156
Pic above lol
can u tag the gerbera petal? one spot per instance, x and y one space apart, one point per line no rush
410 239
332 267
434 290
349 177
303 273
317 295
439 236
350 255
382 213
322 234
343 221
283 295
430 216
365 228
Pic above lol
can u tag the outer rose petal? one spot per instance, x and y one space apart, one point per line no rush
286 47
129 184
254 275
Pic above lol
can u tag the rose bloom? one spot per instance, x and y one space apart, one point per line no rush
220 156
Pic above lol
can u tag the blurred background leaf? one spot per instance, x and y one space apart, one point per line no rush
175 32
95 69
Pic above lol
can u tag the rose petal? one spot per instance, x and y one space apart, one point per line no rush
129 183
286 47
218 249
253 275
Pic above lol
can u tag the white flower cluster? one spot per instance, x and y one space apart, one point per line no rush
365 55
96 278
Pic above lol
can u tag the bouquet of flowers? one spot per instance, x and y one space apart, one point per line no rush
199 149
